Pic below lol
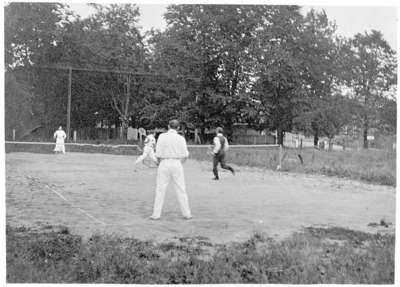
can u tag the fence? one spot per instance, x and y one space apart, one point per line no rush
253 139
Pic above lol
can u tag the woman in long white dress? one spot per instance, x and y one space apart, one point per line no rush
60 136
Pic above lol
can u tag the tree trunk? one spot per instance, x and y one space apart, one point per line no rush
116 123
366 124
125 120
316 137
125 124
280 134
228 131
203 134
330 142
365 132
197 139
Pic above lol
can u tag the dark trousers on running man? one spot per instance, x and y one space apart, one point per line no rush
220 158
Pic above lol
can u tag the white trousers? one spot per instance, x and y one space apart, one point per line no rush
171 170
147 151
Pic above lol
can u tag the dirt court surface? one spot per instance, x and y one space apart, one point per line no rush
99 193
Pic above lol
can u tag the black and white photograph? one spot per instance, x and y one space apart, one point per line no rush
199 142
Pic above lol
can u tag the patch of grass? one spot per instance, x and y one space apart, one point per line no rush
315 255
373 166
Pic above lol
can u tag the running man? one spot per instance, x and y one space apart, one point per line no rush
60 136
221 146
148 150
171 152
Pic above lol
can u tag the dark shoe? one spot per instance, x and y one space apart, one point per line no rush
188 217
154 218
216 178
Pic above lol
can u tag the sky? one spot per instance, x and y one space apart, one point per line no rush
350 20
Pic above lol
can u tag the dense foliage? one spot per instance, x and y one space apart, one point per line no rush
270 67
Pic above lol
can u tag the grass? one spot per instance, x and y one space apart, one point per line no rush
373 166
315 255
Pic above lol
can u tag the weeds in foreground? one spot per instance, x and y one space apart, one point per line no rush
315 255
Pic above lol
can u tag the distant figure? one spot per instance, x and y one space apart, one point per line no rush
221 146
171 152
148 150
60 136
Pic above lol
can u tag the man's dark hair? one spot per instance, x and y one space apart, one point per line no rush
174 124
219 130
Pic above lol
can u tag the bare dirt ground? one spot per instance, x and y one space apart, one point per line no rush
98 193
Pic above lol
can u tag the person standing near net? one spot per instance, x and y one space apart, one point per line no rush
221 146
60 136
171 152
148 150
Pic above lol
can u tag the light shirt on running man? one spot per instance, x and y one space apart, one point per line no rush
150 141
171 145
217 143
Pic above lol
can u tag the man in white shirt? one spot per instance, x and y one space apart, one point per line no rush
220 147
171 152
148 150
60 136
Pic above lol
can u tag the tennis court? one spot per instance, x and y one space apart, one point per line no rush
100 193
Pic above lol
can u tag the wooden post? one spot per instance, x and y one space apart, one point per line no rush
13 134
74 136
196 136
69 103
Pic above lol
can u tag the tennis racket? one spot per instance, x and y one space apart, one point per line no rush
150 163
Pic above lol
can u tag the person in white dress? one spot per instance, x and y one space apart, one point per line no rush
148 150
60 136
171 152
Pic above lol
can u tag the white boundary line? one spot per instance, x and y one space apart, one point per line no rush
74 206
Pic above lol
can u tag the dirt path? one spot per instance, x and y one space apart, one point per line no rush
100 193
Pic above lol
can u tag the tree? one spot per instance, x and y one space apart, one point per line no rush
29 28
51 80
20 113
278 86
209 59
322 72
373 74
116 43
387 111
335 115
